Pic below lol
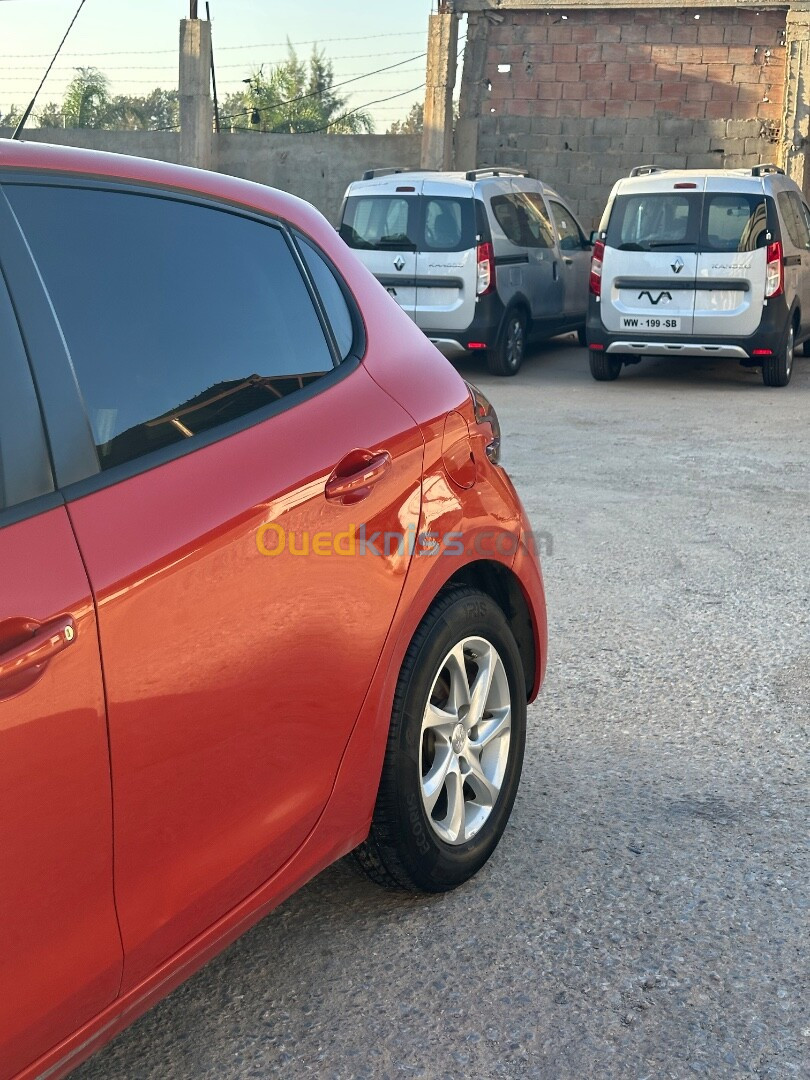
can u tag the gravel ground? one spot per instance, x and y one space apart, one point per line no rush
646 915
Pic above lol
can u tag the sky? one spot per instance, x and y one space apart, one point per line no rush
135 43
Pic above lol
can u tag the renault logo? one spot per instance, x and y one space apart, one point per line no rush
399 262
677 266
665 296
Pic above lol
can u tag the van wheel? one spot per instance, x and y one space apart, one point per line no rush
776 370
455 748
507 356
604 368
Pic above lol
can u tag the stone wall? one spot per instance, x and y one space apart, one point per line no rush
581 96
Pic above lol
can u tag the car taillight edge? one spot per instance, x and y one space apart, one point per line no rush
485 280
595 279
775 271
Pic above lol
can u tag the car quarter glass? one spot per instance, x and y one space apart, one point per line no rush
201 315
337 309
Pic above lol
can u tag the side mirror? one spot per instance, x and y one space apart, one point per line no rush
595 235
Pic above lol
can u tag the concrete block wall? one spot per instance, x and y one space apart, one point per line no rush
317 168
588 96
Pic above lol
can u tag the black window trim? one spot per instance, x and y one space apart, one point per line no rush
358 348
75 463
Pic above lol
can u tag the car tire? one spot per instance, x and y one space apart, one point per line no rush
582 337
507 356
776 370
453 760
604 368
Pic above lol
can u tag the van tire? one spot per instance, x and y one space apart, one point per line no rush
604 368
507 356
776 370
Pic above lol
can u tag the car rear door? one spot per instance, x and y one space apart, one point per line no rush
732 260
60 949
649 267
382 224
575 257
446 260
233 533
523 241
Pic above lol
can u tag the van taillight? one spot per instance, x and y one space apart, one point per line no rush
775 273
595 281
485 281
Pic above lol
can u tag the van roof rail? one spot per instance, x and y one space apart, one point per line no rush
495 170
372 174
763 170
645 170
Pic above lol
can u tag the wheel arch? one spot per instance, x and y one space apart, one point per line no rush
499 582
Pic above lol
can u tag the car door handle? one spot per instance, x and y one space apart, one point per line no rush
44 644
353 478
568 261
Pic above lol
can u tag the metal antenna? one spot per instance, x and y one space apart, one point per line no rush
27 113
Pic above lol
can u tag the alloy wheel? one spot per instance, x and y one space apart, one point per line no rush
464 743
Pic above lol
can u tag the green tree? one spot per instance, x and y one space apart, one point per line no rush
50 115
159 110
87 99
11 118
296 97
412 124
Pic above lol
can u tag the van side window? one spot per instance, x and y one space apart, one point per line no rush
790 210
571 238
524 219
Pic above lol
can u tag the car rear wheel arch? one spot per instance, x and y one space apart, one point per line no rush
498 581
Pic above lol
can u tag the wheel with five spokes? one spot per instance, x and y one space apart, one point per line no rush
455 748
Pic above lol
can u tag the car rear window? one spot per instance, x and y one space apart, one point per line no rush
689 221
734 221
408 223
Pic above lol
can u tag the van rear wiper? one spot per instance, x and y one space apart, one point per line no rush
673 245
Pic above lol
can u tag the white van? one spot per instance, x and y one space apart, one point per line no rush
482 260
712 264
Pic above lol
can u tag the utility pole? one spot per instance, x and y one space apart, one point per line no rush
440 81
196 119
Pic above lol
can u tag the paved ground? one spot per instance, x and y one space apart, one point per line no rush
646 915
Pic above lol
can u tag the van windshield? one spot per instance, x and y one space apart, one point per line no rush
680 221
408 223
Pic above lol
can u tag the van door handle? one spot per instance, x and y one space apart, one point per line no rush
568 261
43 644
355 475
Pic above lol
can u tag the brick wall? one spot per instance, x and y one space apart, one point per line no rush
589 95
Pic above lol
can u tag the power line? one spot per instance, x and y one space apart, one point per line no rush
224 48
351 112
320 93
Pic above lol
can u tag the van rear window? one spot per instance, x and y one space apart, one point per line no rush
680 221
408 223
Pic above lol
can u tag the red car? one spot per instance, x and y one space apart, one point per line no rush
267 595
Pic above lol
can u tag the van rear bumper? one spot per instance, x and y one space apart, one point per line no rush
483 330
770 334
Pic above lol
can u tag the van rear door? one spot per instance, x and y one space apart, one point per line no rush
649 267
446 260
732 259
382 226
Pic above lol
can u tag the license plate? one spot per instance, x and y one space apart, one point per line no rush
650 322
